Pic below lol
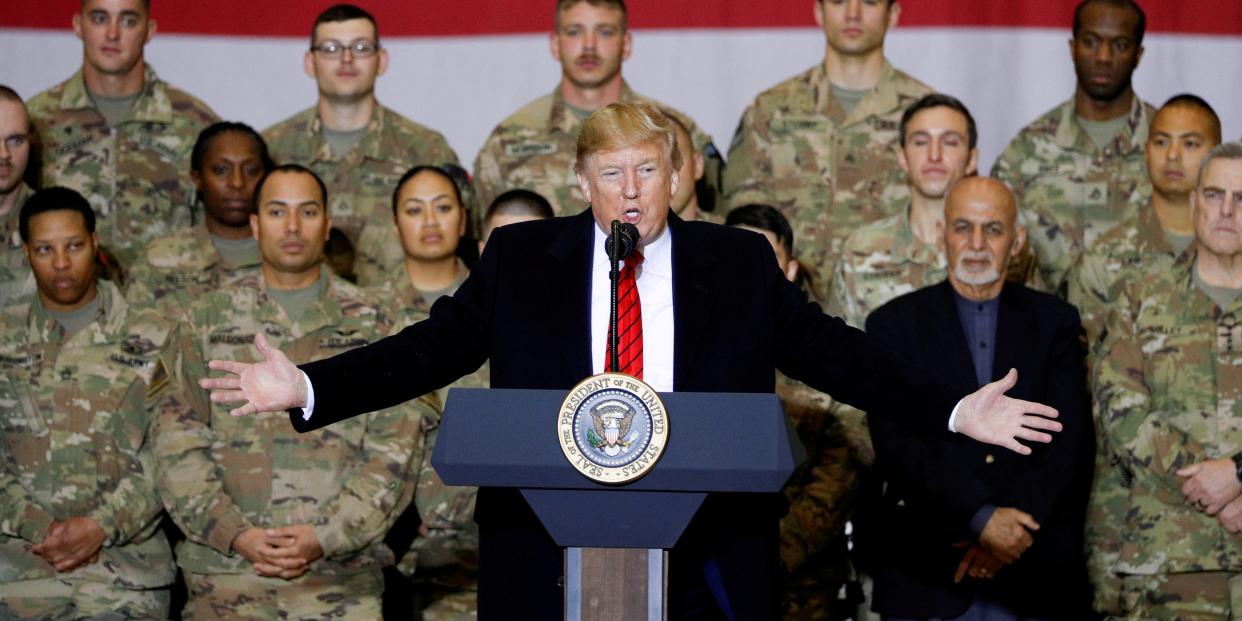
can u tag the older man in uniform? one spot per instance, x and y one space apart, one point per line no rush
534 149
275 526
819 146
81 375
226 165
117 133
1078 170
16 147
1168 390
359 147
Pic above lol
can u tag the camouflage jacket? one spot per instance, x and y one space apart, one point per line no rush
135 175
360 183
74 415
1071 192
182 265
879 262
448 554
536 147
1168 391
821 492
16 281
221 474
828 172
1119 257
1114 259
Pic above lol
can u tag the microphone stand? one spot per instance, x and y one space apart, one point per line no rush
614 275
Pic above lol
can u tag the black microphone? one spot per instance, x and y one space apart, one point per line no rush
619 244
622 241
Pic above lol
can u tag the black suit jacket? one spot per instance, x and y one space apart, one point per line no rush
934 486
526 309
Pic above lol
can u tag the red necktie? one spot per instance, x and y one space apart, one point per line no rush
629 321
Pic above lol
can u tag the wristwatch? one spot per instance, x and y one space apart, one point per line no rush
1237 462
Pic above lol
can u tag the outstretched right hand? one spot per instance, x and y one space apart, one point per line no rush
273 385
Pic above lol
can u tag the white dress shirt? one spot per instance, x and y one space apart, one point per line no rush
655 296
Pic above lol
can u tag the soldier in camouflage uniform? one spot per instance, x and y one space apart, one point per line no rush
510 208
357 146
1168 388
1180 135
228 161
813 542
118 134
1078 170
535 148
16 137
693 189
821 148
81 375
437 539
280 524
1182 132
901 253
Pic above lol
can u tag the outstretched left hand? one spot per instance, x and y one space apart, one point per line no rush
987 415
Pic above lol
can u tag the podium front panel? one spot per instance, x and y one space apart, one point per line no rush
718 442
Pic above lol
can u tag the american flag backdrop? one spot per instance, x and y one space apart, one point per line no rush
462 65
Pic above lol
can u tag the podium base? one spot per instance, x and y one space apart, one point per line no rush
615 584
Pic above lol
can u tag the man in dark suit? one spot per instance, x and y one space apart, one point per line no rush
966 532
536 307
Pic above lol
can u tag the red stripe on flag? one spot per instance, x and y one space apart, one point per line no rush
479 17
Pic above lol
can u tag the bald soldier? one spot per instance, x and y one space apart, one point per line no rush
275 525
820 145
1168 389
1078 169
117 133
17 139
356 145
534 148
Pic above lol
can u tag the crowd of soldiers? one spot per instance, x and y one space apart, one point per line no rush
163 237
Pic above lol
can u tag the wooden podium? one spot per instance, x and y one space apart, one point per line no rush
718 443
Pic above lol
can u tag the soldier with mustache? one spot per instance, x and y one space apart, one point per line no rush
534 149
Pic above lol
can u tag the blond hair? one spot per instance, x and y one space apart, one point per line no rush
627 125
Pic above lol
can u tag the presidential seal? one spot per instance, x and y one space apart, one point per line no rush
612 428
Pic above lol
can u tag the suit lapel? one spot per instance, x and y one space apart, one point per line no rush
572 252
952 338
692 297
